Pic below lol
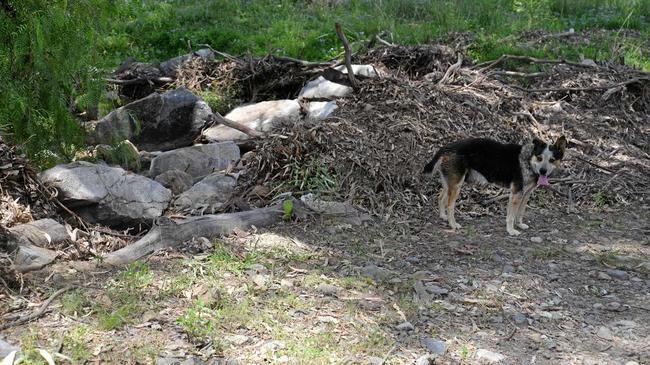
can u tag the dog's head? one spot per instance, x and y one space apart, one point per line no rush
545 158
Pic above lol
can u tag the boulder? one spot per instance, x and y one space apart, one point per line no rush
107 195
175 180
208 195
323 88
197 161
158 122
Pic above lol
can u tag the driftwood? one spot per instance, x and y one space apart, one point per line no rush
167 233
348 56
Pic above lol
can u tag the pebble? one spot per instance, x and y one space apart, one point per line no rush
237 339
405 326
520 319
327 289
605 333
536 239
489 356
618 274
376 273
508 268
374 360
436 290
425 360
434 346
603 276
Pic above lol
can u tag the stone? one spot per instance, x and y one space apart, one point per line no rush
436 290
237 339
208 195
536 239
6 349
405 326
124 154
338 212
520 319
107 195
425 360
489 356
327 289
376 273
197 161
602 276
175 180
158 122
605 333
618 274
434 346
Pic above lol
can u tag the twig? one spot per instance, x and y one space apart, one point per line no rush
36 314
162 80
384 42
591 88
493 63
348 56
303 62
606 169
519 74
451 70
238 126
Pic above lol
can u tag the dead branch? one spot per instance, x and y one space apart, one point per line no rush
161 80
348 56
484 66
591 88
519 74
451 70
36 314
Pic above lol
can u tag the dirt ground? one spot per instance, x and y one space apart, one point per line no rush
574 289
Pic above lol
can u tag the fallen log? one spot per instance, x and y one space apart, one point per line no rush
167 233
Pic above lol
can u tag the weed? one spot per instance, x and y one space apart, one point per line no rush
463 352
75 342
73 302
287 207
312 176
198 322
547 253
599 199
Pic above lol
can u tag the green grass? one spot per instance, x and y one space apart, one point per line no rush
306 29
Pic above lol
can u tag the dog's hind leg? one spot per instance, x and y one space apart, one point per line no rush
443 198
516 197
452 194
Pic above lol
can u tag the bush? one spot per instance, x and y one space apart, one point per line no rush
49 50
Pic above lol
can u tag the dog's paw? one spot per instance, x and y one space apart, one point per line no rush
523 226
513 232
444 217
455 226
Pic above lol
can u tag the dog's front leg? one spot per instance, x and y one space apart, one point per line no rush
516 197
519 218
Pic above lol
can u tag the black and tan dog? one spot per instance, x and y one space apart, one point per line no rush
520 167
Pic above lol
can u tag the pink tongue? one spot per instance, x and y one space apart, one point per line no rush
542 181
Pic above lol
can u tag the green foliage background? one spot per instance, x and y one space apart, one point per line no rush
54 53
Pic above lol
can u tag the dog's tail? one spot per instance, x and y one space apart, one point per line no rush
433 164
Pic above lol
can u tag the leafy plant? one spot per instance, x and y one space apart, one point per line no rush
287 207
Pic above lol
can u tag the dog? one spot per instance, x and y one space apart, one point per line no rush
519 167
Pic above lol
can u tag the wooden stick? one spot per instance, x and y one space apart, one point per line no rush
348 55
238 126
36 314
453 68
163 80
592 88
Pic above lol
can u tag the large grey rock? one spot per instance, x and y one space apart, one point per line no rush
158 122
208 195
176 180
197 161
108 195
6 348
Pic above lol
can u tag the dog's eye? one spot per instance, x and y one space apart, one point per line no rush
551 160
539 158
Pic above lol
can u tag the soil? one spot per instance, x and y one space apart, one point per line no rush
573 289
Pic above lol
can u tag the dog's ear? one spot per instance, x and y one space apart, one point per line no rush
561 143
538 142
